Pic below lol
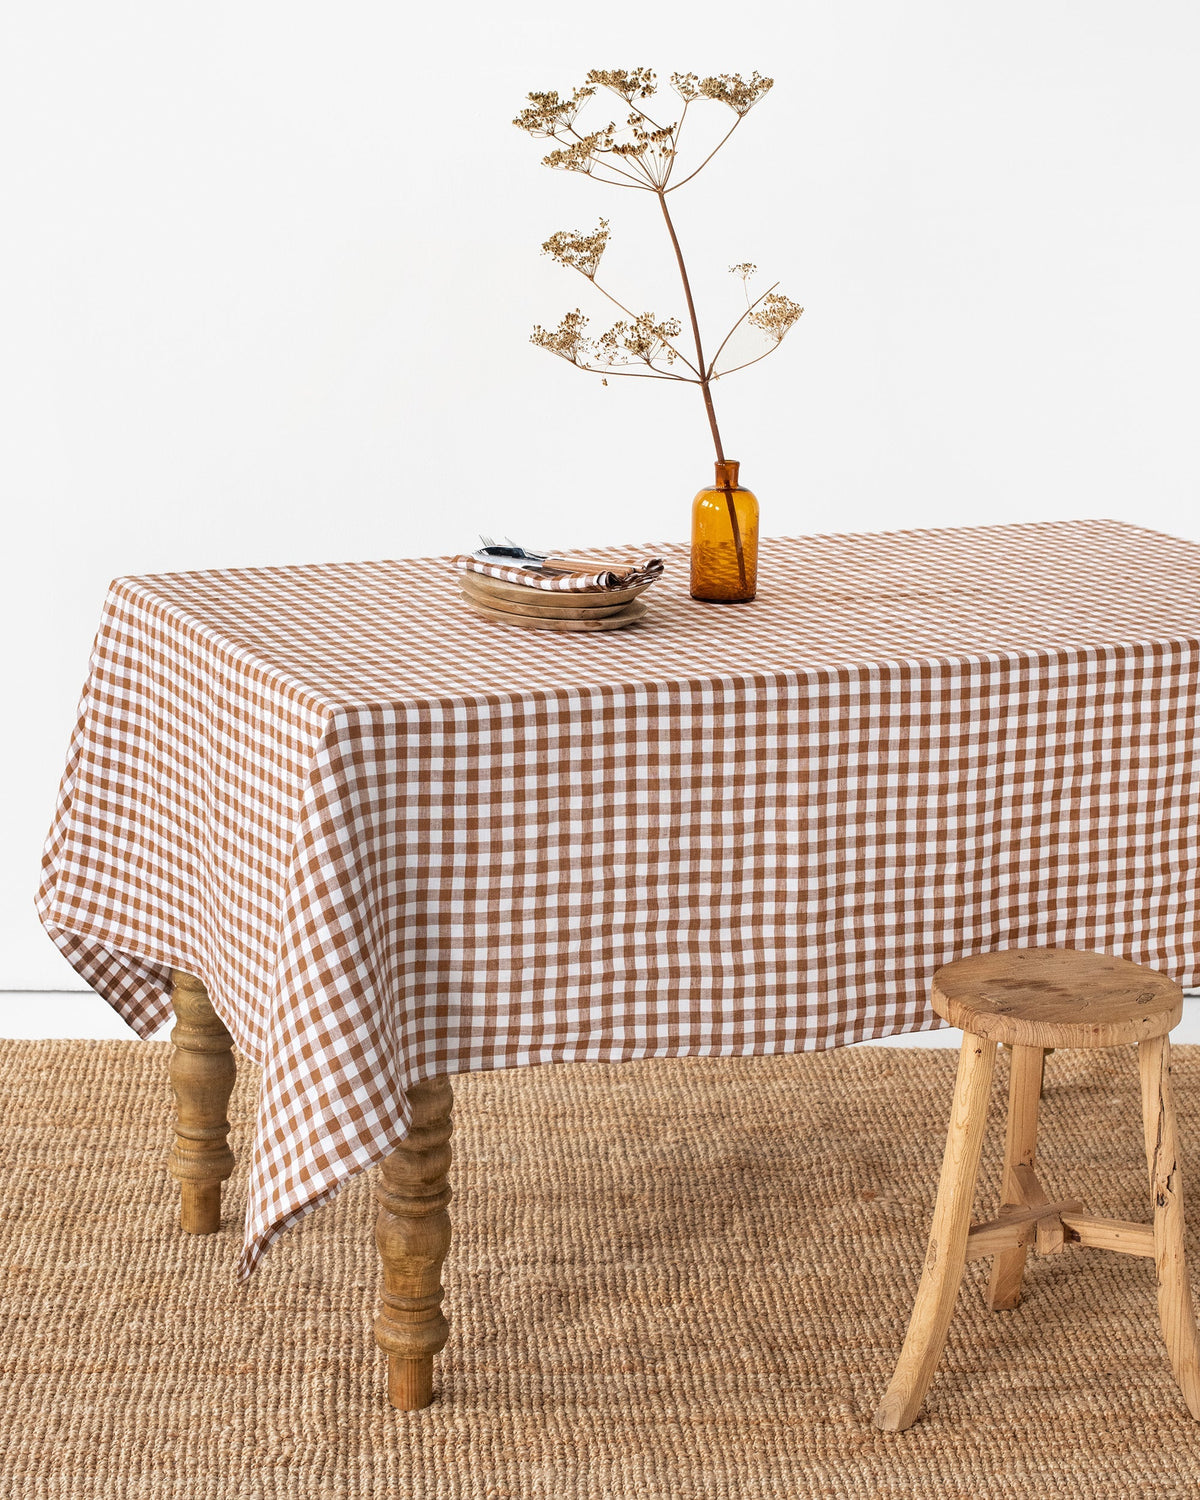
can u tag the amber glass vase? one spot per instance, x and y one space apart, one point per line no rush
725 540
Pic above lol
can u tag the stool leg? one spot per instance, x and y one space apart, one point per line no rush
1020 1144
945 1257
1175 1310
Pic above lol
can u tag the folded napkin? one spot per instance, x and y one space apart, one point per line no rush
593 578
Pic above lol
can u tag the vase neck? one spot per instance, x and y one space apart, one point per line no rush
727 473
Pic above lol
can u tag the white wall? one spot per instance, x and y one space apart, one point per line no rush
268 272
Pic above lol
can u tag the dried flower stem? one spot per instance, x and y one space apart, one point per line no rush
705 376
642 156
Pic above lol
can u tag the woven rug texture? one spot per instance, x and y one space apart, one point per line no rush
677 1280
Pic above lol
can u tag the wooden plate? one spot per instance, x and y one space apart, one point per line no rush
520 594
570 609
631 613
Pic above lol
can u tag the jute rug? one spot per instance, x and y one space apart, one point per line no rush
669 1280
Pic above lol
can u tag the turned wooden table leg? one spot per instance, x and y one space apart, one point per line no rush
202 1075
413 1235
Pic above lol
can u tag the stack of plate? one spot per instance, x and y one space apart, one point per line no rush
551 609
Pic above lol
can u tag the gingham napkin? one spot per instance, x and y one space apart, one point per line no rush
512 571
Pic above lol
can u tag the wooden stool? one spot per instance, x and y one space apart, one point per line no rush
1033 999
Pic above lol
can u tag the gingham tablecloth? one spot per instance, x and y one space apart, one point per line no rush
395 839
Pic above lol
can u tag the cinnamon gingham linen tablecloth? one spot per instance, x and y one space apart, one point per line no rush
395 839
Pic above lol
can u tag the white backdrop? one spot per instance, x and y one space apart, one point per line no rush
268 273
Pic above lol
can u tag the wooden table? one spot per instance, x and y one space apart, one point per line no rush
331 817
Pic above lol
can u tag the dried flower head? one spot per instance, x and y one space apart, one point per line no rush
581 252
644 140
643 340
548 114
776 315
741 94
568 340
686 85
580 155
745 270
639 84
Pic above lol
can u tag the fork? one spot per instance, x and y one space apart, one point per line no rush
546 559
509 548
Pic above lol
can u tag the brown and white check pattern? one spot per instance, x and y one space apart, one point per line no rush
395 839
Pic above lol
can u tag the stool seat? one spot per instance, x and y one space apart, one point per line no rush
1056 997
